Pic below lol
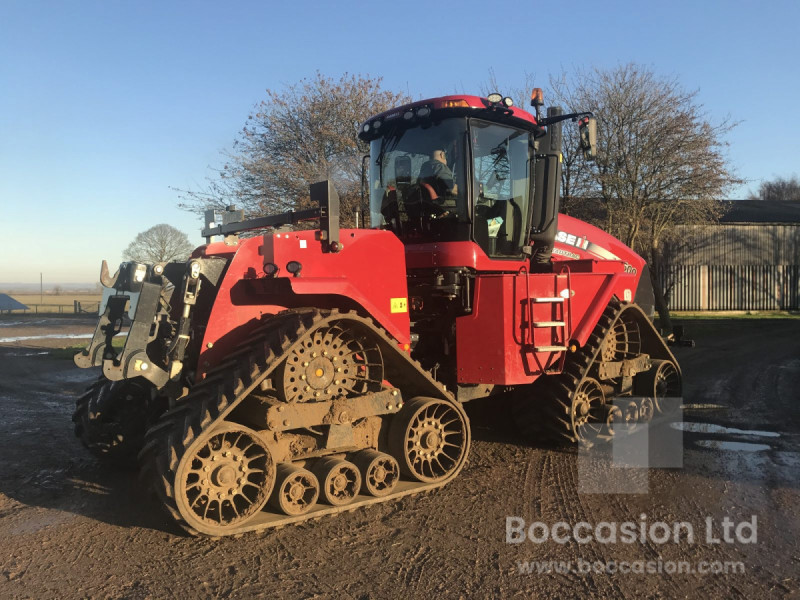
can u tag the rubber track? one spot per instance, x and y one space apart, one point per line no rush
229 383
101 442
554 392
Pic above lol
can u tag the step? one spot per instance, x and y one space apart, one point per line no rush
547 300
550 348
548 324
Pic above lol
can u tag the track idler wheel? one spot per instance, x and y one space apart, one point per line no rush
379 472
296 490
224 478
588 413
662 382
340 480
430 439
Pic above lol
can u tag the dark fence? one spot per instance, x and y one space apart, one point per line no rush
732 287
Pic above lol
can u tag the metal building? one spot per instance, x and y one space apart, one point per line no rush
749 261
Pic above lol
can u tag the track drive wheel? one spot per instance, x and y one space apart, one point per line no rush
331 362
430 439
340 480
379 472
662 382
111 418
223 479
296 490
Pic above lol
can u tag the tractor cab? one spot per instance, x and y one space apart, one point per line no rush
466 169
444 170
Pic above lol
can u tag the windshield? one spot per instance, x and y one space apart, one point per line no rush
417 182
501 187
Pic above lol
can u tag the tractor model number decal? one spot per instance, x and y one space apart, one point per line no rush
399 305
566 253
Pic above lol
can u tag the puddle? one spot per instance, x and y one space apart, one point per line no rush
48 336
711 428
735 446
23 354
703 407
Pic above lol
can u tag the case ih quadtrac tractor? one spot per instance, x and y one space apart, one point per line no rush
297 373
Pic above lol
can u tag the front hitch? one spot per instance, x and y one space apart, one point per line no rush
134 294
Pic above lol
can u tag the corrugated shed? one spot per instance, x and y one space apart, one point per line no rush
739 244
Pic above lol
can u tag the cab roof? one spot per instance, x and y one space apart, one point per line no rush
463 105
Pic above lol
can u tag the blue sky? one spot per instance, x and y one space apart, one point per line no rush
106 106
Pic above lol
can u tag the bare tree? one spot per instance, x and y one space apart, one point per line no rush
660 162
781 189
303 133
160 243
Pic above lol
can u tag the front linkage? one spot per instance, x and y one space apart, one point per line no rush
158 301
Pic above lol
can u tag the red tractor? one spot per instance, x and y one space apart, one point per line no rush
289 375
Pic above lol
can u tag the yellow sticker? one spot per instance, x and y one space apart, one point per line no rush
399 305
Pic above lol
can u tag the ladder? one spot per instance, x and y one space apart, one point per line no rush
560 327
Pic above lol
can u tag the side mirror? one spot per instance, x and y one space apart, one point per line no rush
588 133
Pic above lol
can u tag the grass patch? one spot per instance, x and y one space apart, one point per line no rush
69 352
57 303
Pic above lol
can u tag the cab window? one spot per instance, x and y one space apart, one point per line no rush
501 187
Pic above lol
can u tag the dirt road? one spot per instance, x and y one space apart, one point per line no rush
71 528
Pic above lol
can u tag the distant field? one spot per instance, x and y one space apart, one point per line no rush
54 303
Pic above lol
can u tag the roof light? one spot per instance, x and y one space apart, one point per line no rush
270 269
424 111
494 98
454 103
408 115
376 124
508 102
365 128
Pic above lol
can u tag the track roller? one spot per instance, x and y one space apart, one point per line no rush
379 472
296 490
646 410
340 480
611 415
630 414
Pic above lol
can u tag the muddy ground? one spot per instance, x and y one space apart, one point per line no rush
72 528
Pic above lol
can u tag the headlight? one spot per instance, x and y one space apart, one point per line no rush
140 273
